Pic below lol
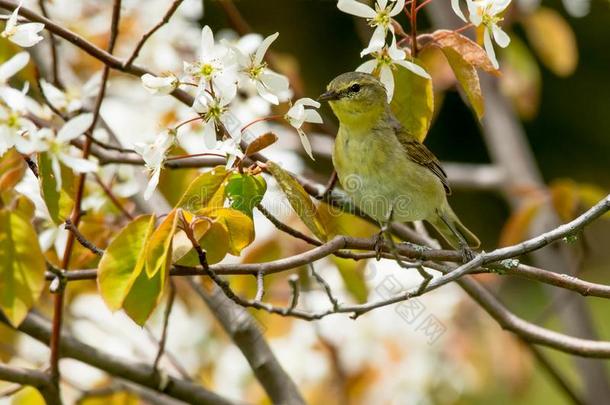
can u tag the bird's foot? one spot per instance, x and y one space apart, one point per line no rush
379 242
467 253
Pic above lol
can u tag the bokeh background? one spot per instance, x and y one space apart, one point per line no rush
381 358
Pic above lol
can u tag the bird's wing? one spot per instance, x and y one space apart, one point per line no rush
418 153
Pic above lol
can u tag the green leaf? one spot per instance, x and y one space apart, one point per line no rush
22 266
299 200
123 261
206 190
245 191
467 76
553 40
413 102
59 203
239 226
145 294
159 244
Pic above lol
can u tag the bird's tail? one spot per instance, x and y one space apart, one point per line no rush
452 230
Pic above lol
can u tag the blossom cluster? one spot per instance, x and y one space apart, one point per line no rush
222 69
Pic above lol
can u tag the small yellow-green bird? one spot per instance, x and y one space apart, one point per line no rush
389 174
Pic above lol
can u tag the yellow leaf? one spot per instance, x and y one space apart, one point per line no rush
215 242
299 200
553 40
239 225
413 101
22 266
467 76
158 245
28 396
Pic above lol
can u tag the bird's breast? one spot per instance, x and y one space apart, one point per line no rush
375 172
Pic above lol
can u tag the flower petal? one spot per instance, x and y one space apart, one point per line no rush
75 127
305 143
500 36
307 102
207 41
356 8
455 5
209 135
26 35
13 65
263 47
367 67
77 164
398 7
489 48
313 116
475 12
387 79
376 43
152 183
418 70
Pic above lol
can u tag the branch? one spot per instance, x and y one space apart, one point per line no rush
244 332
35 378
38 327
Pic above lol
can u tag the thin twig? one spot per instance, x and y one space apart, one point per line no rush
168 14
166 314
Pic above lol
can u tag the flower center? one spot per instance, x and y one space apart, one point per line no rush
206 70
382 18
255 70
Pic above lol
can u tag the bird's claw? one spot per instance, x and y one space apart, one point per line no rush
378 245
467 253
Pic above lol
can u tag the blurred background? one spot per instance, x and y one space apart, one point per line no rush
450 353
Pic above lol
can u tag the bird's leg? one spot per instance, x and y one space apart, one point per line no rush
467 253
394 250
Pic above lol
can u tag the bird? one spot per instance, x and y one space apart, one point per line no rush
388 173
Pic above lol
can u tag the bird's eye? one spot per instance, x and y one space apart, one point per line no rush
355 88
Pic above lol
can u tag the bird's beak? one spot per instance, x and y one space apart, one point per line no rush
329 95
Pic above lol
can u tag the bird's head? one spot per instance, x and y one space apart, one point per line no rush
355 96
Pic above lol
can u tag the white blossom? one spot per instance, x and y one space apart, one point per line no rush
215 67
216 116
297 115
252 67
154 155
74 98
487 13
24 35
14 129
379 17
160 84
57 146
385 61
